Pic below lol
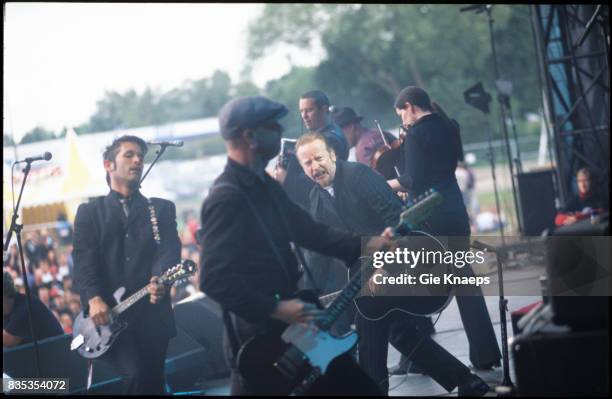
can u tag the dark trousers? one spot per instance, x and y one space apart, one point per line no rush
402 332
476 321
484 350
139 359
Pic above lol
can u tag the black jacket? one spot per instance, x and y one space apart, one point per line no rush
111 251
296 183
363 204
363 200
238 266
429 156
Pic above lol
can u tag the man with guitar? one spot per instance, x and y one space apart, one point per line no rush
247 265
363 203
122 240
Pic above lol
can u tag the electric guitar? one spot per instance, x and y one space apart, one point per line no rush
419 300
290 363
92 341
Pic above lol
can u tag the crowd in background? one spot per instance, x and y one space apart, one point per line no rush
50 268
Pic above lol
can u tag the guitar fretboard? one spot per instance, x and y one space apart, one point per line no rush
124 305
338 305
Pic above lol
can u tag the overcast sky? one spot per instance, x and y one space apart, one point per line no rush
59 58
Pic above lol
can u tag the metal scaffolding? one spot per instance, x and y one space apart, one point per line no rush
573 45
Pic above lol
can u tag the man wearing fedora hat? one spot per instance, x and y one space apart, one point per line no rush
366 141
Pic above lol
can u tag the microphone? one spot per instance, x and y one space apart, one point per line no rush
172 143
44 157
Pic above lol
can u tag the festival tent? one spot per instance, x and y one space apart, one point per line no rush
59 185
75 173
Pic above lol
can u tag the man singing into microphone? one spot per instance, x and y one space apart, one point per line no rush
122 240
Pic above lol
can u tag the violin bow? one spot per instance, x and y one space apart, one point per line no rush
381 133
386 143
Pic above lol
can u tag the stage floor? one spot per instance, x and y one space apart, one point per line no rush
450 335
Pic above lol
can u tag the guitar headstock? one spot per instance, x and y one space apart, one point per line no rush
419 210
182 270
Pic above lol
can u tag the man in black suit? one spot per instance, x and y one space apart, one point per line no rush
366 205
126 240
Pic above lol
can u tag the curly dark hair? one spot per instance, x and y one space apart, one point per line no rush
111 151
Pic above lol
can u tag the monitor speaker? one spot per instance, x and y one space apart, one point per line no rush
537 201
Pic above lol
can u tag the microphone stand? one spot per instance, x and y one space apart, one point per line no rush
503 308
479 8
159 154
505 99
478 98
15 227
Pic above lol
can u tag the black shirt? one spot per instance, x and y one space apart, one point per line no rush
429 156
239 268
17 324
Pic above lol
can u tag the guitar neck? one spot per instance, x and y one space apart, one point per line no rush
416 214
335 309
131 300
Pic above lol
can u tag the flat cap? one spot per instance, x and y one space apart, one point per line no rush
248 112
344 116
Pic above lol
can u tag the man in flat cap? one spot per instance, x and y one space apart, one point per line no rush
247 264
366 141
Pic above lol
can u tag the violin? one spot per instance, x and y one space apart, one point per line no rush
386 159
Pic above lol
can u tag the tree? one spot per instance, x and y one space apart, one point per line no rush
194 99
7 140
39 133
287 91
372 51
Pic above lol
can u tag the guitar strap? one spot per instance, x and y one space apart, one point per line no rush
233 337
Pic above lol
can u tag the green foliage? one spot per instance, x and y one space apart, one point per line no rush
194 148
7 140
373 51
287 90
195 99
39 133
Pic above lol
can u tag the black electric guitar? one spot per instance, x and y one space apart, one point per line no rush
93 341
419 300
290 362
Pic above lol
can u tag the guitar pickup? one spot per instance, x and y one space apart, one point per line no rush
77 342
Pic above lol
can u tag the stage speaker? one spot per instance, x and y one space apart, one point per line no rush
563 364
537 201
579 280
201 319
56 361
